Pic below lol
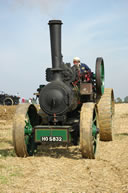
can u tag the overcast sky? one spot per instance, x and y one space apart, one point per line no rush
91 29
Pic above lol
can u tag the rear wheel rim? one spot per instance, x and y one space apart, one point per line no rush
102 77
99 76
106 109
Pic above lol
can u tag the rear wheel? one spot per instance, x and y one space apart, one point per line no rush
23 135
8 101
88 130
106 109
99 77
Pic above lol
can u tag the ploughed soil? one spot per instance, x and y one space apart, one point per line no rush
62 169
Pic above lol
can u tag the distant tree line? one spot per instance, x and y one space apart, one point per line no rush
119 100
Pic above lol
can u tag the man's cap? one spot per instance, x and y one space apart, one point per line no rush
76 59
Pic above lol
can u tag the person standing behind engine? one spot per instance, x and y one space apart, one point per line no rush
80 66
83 71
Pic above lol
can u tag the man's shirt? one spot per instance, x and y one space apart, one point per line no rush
84 68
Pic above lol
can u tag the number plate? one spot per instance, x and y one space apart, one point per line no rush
51 139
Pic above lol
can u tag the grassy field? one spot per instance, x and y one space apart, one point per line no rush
61 169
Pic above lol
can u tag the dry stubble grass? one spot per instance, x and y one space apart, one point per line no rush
58 169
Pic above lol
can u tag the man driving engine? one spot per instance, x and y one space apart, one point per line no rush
83 71
80 66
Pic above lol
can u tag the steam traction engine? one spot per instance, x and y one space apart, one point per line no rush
73 107
6 99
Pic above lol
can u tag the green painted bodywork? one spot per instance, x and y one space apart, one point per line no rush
94 75
102 77
94 134
54 131
29 137
93 130
28 127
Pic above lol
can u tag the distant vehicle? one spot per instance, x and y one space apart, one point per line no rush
6 99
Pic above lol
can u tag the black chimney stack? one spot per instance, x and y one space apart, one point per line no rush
55 37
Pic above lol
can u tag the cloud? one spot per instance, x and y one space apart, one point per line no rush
45 6
25 42
88 35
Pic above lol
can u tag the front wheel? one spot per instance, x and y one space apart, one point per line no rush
88 130
23 135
